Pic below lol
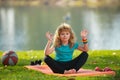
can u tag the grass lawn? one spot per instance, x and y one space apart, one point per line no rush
101 58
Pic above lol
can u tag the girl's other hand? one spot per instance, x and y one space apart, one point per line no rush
84 33
49 36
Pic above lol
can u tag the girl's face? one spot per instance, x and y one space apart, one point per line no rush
65 36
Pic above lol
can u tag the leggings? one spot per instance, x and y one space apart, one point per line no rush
60 67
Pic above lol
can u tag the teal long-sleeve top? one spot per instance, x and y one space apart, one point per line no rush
64 52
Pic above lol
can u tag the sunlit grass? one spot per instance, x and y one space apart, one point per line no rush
101 58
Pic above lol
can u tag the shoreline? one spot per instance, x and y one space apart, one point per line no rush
62 3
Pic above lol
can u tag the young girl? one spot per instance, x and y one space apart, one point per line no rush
64 45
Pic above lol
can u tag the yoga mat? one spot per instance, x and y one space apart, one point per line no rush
82 72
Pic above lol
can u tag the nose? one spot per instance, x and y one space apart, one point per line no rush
64 35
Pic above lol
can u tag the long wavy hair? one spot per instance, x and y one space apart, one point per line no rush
63 27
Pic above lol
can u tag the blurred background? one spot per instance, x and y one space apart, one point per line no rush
23 23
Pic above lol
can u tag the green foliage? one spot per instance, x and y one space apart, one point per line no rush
101 58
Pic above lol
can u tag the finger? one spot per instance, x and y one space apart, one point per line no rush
47 32
50 34
86 31
81 33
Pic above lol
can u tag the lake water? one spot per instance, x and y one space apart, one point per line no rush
24 28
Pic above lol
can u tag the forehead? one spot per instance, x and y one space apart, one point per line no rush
65 30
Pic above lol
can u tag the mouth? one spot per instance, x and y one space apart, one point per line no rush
64 38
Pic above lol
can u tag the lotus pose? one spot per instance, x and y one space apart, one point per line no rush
64 44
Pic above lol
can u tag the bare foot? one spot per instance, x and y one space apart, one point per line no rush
71 71
74 71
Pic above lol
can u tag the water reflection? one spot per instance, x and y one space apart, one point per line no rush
7 28
24 28
104 29
94 30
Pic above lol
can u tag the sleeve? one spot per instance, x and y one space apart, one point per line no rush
76 45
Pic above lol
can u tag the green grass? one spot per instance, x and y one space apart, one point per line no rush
101 58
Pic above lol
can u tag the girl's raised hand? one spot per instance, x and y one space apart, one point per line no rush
84 33
49 36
